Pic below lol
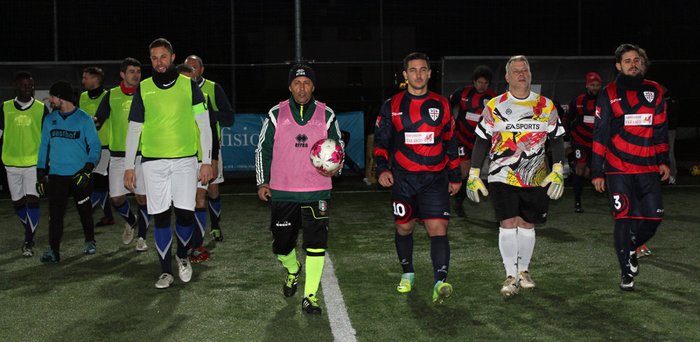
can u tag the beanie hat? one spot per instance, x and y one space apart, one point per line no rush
592 77
301 70
62 90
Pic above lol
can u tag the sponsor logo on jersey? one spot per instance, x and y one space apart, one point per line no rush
649 95
434 113
523 126
639 119
589 119
473 116
509 111
62 133
23 120
301 140
419 138
615 100
396 113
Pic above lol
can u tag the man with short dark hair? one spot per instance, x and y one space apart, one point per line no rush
416 156
167 113
630 156
20 126
89 101
580 121
514 129
68 152
299 193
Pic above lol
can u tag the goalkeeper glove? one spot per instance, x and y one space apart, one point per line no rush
41 182
555 180
82 177
475 185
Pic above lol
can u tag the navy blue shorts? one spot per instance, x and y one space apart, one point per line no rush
531 204
582 154
422 196
635 196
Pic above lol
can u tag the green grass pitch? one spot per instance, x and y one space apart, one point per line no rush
236 295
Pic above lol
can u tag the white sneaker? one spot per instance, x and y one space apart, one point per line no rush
184 269
510 287
128 234
164 281
525 280
141 245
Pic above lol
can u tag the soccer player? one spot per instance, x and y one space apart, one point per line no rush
89 101
467 104
514 129
221 109
580 120
299 194
417 157
167 111
71 147
114 109
197 252
630 156
20 126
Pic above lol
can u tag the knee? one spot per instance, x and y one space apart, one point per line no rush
162 219
141 199
184 217
118 201
213 190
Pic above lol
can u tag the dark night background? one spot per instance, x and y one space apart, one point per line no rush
245 44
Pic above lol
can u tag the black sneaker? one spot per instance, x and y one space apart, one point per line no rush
634 264
627 283
290 285
27 250
216 235
578 208
310 305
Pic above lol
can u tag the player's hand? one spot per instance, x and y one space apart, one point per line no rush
665 172
264 192
42 181
325 173
453 188
214 169
205 173
386 179
475 185
130 179
599 184
81 178
555 180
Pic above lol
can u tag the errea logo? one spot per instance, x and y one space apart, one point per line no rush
301 140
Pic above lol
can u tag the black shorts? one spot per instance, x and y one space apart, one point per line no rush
422 196
531 204
635 196
289 217
582 154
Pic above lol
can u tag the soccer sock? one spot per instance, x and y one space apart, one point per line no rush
623 243
526 245
164 239
143 220
578 187
125 211
107 208
215 211
33 215
440 254
22 212
289 261
646 229
404 249
184 227
508 244
200 215
315 258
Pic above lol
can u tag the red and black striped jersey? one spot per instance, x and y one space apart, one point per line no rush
580 118
467 106
416 131
630 133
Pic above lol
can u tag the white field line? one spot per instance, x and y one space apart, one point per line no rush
341 327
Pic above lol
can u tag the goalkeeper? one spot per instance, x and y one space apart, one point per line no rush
69 144
515 126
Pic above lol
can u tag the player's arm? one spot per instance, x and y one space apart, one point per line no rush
660 137
2 120
103 111
92 140
383 136
225 113
43 158
601 137
450 148
569 118
214 133
263 153
482 143
333 132
133 135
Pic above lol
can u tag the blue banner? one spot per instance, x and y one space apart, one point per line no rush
238 142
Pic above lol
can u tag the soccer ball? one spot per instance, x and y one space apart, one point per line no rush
327 155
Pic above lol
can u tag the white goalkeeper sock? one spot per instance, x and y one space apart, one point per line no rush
526 245
508 244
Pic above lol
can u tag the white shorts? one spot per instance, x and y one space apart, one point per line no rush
116 177
103 164
170 181
21 181
219 177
